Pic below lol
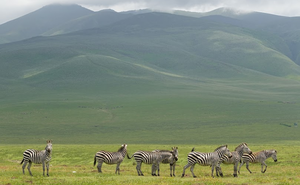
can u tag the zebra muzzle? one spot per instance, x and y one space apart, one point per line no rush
275 160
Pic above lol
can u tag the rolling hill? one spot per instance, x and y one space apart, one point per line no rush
151 77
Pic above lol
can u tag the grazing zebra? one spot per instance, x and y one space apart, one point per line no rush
34 156
235 159
206 159
258 157
171 160
110 158
153 158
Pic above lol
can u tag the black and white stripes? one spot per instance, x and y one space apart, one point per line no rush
153 158
110 158
206 159
39 157
258 157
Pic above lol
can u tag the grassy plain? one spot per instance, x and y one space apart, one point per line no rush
73 164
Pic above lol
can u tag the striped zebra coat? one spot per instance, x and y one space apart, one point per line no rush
206 159
110 158
153 158
38 157
170 160
235 159
258 157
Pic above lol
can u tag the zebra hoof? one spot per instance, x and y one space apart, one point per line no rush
195 176
235 175
221 174
182 175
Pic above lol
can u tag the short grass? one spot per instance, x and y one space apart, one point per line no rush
73 164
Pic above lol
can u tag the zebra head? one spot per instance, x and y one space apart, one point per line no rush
274 155
123 149
244 148
49 146
223 150
175 152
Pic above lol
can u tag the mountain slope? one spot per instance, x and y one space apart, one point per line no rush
40 21
95 20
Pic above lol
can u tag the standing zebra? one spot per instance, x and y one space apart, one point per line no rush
258 157
34 156
110 158
206 159
170 160
153 158
235 159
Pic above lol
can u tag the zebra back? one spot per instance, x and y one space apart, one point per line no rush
236 154
208 158
173 155
37 156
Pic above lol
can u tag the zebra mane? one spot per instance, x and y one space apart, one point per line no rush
220 147
240 146
121 148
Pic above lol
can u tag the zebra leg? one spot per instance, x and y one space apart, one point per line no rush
262 166
118 168
173 165
219 171
153 169
99 166
247 166
242 163
47 165
192 170
212 170
184 168
28 167
43 168
138 169
157 169
172 169
235 169
24 166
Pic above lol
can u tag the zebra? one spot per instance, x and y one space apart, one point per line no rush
206 159
110 158
38 157
153 158
258 157
171 160
235 159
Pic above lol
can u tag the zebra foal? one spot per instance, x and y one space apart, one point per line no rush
206 159
170 160
235 159
110 158
258 157
153 158
34 156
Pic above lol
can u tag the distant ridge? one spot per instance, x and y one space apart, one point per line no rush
40 21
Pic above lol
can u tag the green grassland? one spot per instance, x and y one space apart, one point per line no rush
73 164
182 116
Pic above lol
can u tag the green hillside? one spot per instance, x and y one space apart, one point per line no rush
150 78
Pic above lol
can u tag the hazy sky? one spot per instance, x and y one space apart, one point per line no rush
11 9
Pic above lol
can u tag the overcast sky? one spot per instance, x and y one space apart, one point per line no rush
11 9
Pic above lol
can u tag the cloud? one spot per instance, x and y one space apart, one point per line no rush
11 9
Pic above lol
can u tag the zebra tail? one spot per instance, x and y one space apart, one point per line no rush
22 161
95 160
129 157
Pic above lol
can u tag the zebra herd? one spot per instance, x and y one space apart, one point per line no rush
222 154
